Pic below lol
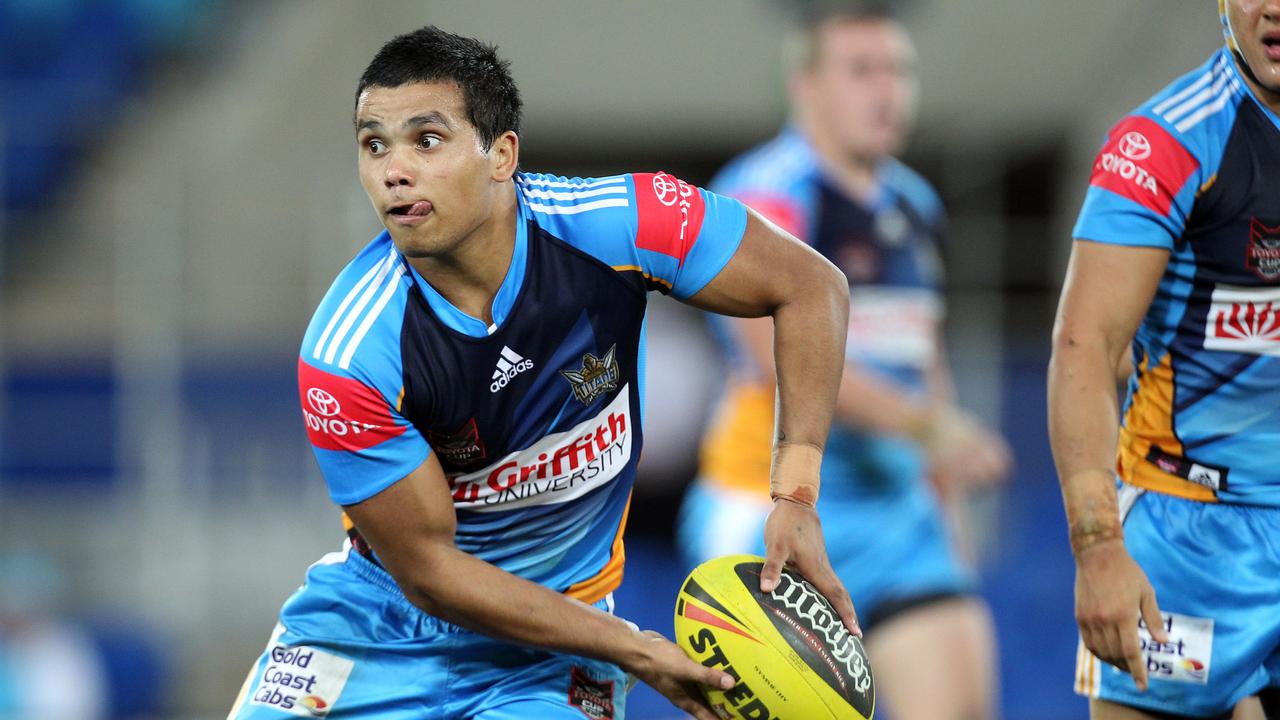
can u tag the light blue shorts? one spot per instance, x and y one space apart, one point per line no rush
1216 572
349 645
891 549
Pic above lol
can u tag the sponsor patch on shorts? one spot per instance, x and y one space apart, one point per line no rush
1185 658
593 697
301 680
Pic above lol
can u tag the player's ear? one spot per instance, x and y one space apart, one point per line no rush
504 156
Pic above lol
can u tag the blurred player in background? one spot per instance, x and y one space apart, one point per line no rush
899 448
471 384
1177 253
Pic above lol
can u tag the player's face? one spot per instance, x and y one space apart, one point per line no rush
1255 24
424 167
862 88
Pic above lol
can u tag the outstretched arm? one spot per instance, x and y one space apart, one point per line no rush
1107 291
410 526
774 274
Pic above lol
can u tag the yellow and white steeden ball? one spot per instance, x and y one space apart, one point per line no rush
792 656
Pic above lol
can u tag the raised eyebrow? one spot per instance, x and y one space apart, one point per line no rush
433 118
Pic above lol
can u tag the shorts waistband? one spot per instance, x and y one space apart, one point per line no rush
374 574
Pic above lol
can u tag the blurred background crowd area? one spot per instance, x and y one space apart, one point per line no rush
178 188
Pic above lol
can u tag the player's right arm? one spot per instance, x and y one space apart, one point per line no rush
863 400
954 440
380 468
410 525
1143 187
951 437
1107 290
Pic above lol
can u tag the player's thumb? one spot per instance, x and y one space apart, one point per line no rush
712 677
1151 616
771 573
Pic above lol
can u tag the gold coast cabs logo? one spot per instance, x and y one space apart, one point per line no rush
597 376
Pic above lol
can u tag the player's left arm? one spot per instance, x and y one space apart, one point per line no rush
963 452
771 273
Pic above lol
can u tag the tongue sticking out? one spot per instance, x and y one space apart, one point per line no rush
422 207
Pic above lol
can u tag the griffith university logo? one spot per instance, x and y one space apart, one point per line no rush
510 364
597 376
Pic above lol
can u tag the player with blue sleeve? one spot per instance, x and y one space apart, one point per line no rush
901 452
471 386
1176 261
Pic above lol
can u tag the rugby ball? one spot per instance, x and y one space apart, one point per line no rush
791 656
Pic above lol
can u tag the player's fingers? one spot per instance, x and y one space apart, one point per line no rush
718 679
1133 656
1118 648
993 465
835 593
699 673
1151 615
695 703
1006 455
699 713
999 461
1099 643
1089 637
697 709
771 573
1109 643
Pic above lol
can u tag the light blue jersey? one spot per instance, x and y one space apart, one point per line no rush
536 420
1195 171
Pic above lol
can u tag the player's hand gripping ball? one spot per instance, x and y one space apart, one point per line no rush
792 657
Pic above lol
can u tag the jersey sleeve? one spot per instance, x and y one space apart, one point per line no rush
350 378
1142 187
677 235
361 441
684 235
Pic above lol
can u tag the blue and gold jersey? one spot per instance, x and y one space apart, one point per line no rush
888 247
536 419
1195 171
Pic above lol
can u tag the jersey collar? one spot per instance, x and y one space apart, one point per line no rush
1244 87
503 301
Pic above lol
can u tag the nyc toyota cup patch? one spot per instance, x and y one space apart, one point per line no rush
1185 658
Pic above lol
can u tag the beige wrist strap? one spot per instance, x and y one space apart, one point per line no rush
794 475
1085 535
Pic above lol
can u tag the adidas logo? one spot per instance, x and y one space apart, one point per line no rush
510 364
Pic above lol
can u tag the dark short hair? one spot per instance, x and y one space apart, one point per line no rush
811 15
429 54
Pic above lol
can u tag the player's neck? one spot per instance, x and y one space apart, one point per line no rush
469 277
854 174
1266 96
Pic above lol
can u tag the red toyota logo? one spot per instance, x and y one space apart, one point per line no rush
666 189
322 402
1135 146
